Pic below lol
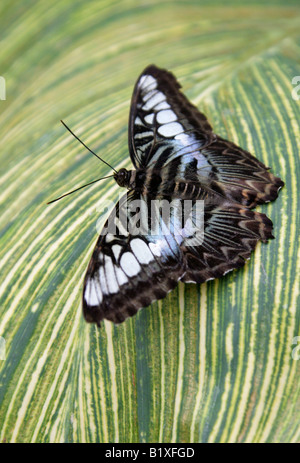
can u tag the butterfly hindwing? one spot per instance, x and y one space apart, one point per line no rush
230 234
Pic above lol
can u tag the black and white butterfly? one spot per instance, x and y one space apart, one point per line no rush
176 157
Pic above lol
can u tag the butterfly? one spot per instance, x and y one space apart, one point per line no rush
177 159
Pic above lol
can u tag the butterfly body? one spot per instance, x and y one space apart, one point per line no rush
155 184
179 165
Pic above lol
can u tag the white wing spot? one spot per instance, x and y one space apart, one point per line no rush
153 101
141 251
163 105
155 248
111 282
91 296
129 264
116 249
170 130
148 94
188 140
138 121
121 277
143 135
149 118
165 116
109 237
147 82
102 281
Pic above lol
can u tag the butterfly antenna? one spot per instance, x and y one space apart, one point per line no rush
87 146
83 186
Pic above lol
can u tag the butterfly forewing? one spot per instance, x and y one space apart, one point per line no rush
130 270
161 118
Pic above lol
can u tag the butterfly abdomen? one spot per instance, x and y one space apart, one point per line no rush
159 183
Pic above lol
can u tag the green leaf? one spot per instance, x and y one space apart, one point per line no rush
210 363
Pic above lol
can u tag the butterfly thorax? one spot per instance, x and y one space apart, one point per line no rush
131 179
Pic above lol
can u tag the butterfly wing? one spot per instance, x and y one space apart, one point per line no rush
162 120
231 171
166 129
129 269
230 234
